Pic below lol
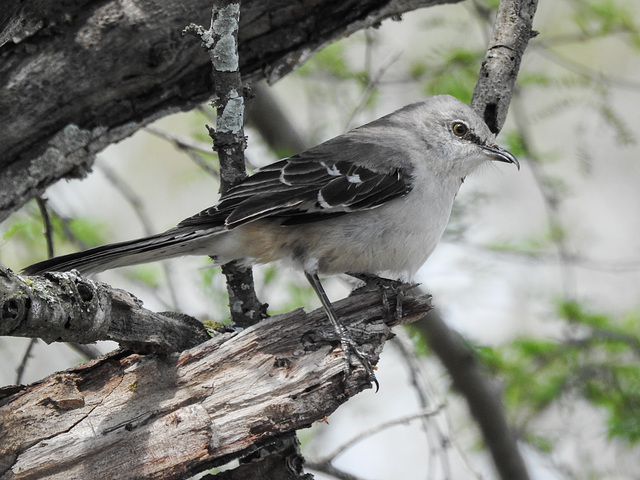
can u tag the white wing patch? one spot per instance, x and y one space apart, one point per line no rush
322 202
332 170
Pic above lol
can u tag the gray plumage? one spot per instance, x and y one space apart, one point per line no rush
375 200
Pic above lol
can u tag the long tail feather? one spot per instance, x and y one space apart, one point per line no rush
172 243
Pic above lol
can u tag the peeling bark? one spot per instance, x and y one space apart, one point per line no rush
185 412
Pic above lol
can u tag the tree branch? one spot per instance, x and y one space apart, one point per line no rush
186 412
52 127
229 142
512 31
64 307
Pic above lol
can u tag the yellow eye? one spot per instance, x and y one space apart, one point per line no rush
459 129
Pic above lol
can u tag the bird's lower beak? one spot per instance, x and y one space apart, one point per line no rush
496 152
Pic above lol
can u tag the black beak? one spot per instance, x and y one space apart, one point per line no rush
496 152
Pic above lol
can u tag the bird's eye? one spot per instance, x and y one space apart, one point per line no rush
459 129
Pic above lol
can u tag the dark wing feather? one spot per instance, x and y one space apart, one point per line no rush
320 183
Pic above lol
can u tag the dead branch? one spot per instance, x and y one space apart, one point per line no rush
185 412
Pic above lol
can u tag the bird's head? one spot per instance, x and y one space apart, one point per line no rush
457 139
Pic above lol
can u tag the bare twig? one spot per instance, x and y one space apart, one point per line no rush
552 203
137 205
329 469
48 235
25 359
440 437
188 145
587 72
374 81
429 412
48 229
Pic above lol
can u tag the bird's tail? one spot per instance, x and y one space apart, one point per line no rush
172 243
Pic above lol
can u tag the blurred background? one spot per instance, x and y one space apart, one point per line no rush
539 269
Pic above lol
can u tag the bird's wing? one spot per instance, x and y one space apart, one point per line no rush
319 183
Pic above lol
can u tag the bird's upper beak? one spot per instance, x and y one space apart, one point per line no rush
496 152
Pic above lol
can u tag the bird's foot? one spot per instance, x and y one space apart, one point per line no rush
383 286
350 348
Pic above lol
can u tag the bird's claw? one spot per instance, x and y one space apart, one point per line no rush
383 285
349 348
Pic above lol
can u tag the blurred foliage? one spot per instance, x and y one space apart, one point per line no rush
606 17
26 229
457 76
599 361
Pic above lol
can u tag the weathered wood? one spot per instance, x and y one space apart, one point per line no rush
134 416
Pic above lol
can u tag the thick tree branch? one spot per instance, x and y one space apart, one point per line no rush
52 127
185 412
65 307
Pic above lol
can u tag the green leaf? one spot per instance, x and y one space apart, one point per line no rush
330 60
458 76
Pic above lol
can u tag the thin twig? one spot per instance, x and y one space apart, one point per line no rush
328 469
378 428
221 42
48 235
586 71
25 359
482 395
551 203
89 352
374 82
436 439
48 228
189 146
425 391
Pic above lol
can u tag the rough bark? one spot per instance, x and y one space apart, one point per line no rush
512 31
64 307
78 75
167 416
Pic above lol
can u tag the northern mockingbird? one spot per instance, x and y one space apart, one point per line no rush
375 200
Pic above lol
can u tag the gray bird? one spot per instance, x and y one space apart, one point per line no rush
374 200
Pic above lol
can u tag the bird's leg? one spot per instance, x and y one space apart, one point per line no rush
348 344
